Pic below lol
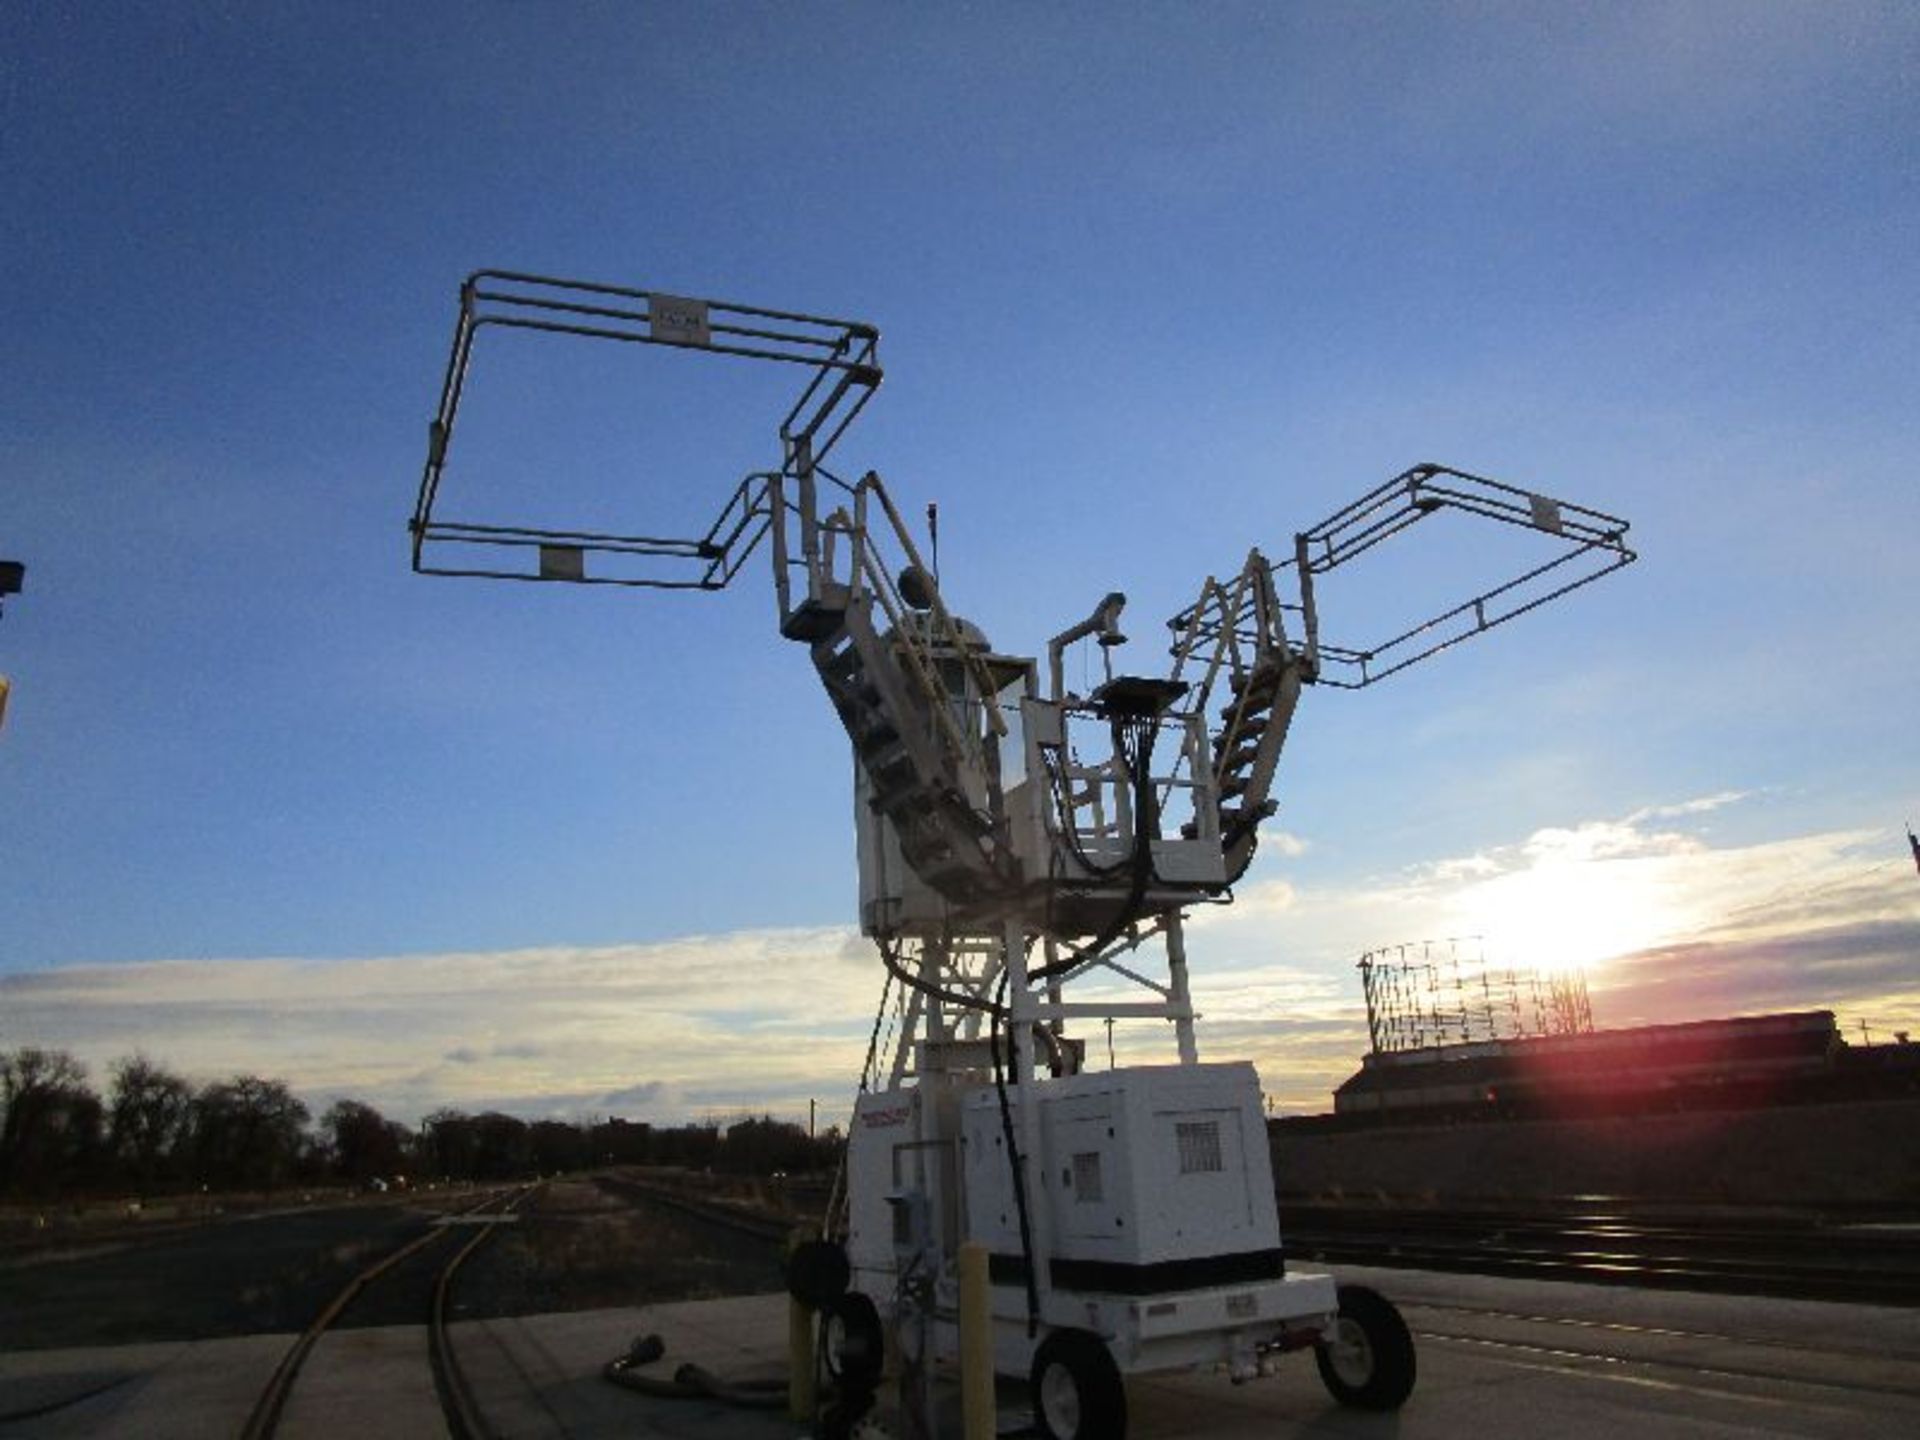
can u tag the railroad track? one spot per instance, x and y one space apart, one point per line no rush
462 1413
1814 1368
1865 1264
771 1229
1801 1359
1595 1245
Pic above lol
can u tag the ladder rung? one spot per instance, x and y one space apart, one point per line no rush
1242 757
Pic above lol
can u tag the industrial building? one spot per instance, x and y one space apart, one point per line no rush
1797 1057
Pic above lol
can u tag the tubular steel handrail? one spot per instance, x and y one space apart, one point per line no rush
842 354
1589 535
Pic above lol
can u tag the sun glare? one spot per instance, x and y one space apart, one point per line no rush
1566 915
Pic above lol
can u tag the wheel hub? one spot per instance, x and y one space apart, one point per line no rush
1060 1401
1351 1353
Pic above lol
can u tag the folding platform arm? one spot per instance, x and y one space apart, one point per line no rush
839 358
1586 545
1247 672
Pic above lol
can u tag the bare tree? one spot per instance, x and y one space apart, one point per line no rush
50 1132
150 1120
247 1132
447 1145
488 1146
365 1143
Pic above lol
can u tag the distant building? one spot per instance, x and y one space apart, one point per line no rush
622 1142
1745 1061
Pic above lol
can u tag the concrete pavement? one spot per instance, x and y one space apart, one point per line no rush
1499 1360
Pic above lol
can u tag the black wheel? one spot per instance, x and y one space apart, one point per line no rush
817 1273
1368 1363
854 1346
1077 1390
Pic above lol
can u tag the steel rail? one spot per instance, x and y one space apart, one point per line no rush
1627 1223
457 1401
1791 1262
264 1419
1828 1345
760 1227
1803 1283
1658 1362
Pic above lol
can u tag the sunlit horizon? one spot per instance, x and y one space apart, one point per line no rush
634 1030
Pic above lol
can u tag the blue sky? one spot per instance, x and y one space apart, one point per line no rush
1154 286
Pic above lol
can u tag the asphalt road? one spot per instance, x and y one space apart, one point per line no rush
243 1275
575 1245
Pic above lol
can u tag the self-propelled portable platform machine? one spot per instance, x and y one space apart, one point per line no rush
1027 858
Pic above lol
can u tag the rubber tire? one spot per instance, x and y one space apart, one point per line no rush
856 1361
1390 1368
817 1273
1082 1358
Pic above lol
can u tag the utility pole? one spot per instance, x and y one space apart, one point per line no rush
13 577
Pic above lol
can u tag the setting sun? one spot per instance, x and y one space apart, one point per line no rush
1563 914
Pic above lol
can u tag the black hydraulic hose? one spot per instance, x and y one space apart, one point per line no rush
927 987
1146 826
690 1381
47 1407
1013 1158
1063 802
873 1040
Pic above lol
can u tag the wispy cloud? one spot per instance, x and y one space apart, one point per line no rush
1868 970
1703 805
779 1014
1277 841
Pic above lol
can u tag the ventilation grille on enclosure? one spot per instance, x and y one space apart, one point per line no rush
1199 1146
1087 1189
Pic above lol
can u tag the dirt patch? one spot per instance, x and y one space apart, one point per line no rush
579 1247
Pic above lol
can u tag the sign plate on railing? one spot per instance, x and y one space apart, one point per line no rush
677 320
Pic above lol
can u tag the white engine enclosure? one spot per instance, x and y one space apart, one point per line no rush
1151 1199
1143 1167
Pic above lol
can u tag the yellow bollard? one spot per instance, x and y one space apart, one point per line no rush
802 1398
976 1345
800 1388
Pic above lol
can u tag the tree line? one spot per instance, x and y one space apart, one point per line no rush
155 1132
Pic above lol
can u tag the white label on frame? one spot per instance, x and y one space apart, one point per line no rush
563 562
682 321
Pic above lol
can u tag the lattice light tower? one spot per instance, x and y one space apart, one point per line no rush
1432 993
1017 841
